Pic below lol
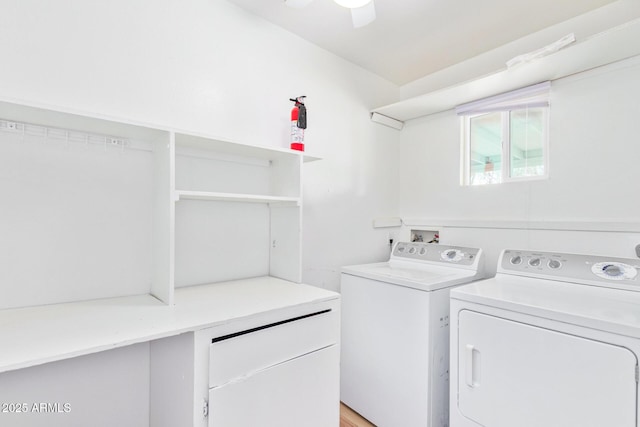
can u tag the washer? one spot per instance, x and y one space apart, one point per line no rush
552 340
395 333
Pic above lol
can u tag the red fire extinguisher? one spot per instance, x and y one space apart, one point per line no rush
298 123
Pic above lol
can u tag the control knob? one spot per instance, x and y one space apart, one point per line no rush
453 255
554 263
614 270
534 262
516 260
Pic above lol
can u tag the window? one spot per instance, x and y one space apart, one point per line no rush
505 137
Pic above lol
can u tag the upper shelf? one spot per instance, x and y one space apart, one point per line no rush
601 49
82 121
232 197
78 121
236 148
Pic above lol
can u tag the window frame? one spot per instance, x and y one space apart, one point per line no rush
465 176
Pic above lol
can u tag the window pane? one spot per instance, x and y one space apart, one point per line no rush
527 142
485 149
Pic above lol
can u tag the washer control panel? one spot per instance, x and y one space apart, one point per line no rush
434 252
588 269
613 270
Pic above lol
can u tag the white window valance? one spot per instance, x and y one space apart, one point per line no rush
526 97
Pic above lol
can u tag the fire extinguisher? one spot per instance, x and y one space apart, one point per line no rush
298 123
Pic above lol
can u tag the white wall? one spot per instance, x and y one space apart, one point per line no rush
594 170
207 66
343 194
58 200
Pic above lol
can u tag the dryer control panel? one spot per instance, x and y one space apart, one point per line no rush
612 272
434 252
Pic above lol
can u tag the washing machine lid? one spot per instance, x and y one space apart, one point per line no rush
424 266
426 278
606 309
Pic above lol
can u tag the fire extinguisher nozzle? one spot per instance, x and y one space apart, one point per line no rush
299 100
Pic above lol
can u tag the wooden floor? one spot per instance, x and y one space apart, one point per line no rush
350 418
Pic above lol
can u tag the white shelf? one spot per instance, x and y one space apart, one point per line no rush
57 117
619 227
182 166
309 158
227 146
233 197
38 335
601 49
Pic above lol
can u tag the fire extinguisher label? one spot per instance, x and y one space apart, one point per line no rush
297 134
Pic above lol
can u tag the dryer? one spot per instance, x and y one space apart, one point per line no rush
395 333
552 340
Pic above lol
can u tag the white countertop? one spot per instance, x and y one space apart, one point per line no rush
36 335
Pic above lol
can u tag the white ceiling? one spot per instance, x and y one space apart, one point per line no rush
413 38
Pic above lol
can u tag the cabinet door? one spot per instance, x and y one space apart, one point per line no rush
300 392
240 354
513 374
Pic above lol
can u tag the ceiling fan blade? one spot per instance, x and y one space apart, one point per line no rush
298 4
364 15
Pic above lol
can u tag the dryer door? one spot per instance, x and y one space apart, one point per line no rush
514 374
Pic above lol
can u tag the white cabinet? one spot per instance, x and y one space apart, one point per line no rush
245 352
96 208
284 373
279 364
295 392
102 218
238 211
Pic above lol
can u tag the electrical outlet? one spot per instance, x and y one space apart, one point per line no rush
392 239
